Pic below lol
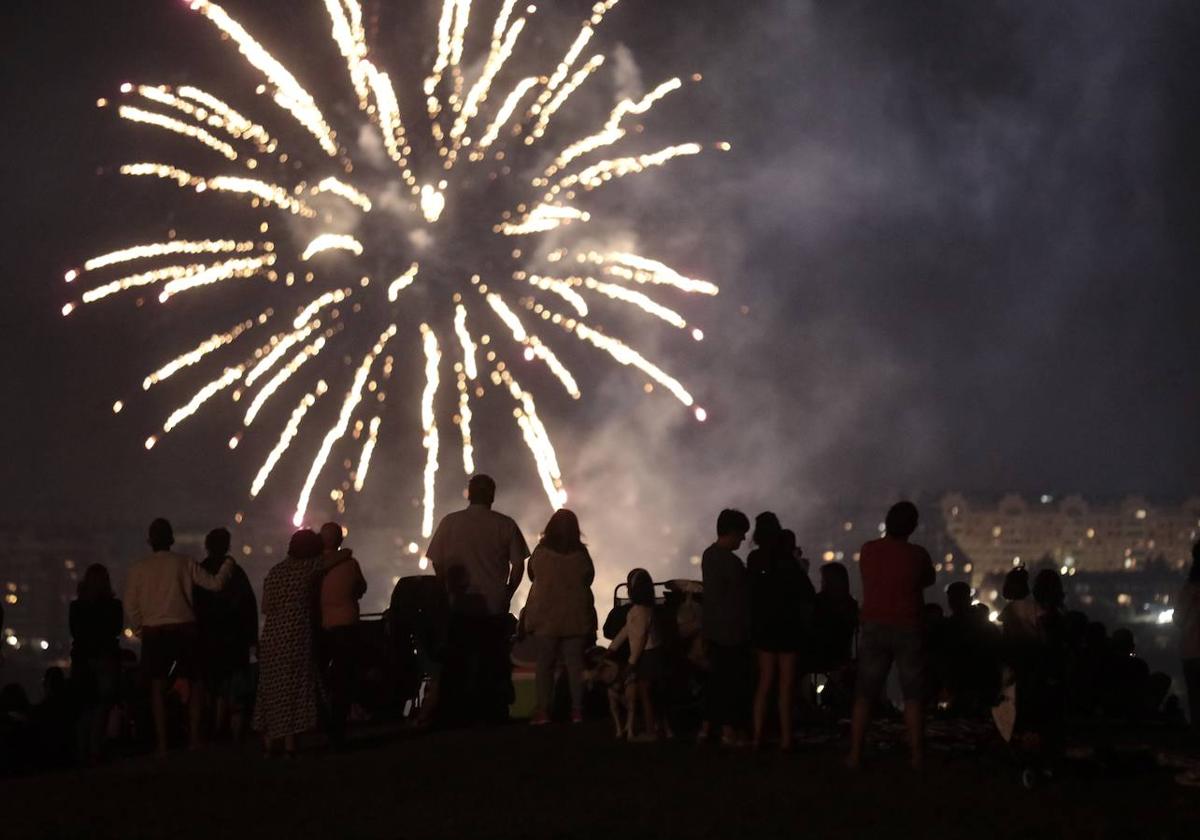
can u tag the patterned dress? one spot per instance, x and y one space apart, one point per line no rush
289 682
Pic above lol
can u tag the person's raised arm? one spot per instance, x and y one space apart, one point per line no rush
213 583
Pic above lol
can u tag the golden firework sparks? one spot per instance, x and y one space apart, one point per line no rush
464 121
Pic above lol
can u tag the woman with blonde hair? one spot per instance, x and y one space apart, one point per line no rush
560 613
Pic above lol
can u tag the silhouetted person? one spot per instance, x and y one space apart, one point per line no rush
158 603
968 648
645 667
480 555
894 574
16 730
290 689
1019 616
341 589
835 620
1187 619
726 628
781 601
96 619
560 612
228 624
1042 711
53 722
1124 676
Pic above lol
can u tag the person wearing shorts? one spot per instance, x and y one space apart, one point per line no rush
158 605
895 573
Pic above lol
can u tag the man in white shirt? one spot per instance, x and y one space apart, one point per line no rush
480 556
158 604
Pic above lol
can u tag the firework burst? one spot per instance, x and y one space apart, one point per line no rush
475 135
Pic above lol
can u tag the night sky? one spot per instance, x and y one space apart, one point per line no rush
964 235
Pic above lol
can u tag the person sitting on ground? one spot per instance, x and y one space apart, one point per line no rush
1041 713
96 619
781 602
895 573
342 588
1019 616
228 625
158 603
17 741
644 672
290 688
560 613
969 657
1187 619
53 722
726 628
480 556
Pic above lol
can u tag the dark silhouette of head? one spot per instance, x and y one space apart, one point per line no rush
161 535
1122 642
332 536
305 544
562 533
1096 635
1048 589
481 490
932 613
1194 574
1016 584
217 541
732 526
96 584
641 588
958 598
767 530
901 520
835 580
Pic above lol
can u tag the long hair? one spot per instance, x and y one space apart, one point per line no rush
561 534
835 581
767 530
96 584
641 588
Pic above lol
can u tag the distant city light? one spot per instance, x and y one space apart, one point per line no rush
413 548
1047 498
1166 616
44 645
423 563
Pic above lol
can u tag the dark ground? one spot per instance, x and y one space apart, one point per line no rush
564 782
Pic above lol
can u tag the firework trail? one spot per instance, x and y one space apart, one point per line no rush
485 117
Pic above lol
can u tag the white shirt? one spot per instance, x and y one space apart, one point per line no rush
640 631
158 590
478 553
